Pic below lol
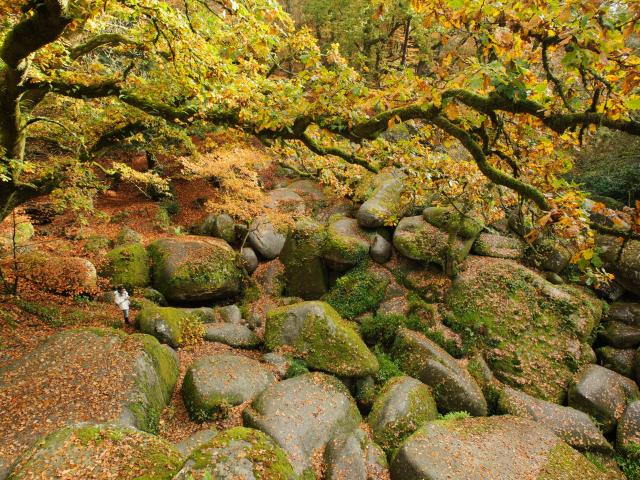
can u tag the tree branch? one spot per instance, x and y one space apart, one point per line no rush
43 27
98 41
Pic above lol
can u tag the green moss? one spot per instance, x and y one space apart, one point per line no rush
81 452
171 317
129 266
343 246
564 463
388 367
325 340
628 460
450 220
269 461
97 243
296 367
420 408
525 325
357 292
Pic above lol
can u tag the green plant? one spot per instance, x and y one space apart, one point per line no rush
296 367
357 292
381 329
453 416
388 367
171 206
49 315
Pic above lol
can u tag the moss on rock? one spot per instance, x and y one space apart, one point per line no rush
173 326
360 290
129 265
99 451
238 453
319 335
194 269
533 333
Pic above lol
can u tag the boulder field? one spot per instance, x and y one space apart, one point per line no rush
438 348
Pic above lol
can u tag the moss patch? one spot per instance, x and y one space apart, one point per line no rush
99 451
129 266
359 291
528 328
234 448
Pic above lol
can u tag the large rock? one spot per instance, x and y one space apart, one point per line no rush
620 335
317 333
571 425
355 457
303 414
498 246
381 249
129 265
265 238
219 225
621 360
92 451
628 267
403 405
503 309
496 448
625 312
83 375
305 274
602 394
173 326
454 389
239 336
63 275
386 203
218 381
628 432
194 269
452 221
238 454
346 243
419 240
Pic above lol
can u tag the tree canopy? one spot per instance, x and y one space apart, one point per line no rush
488 102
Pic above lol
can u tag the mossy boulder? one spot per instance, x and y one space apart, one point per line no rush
127 236
386 202
302 414
194 269
453 388
238 454
355 456
129 265
92 375
346 243
602 394
534 334
419 240
317 333
99 451
220 381
360 290
452 221
571 425
498 246
168 324
219 225
499 448
305 273
403 405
